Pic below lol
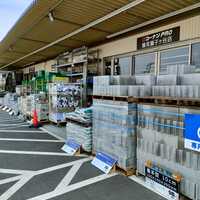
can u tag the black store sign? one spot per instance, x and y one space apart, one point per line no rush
159 38
162 179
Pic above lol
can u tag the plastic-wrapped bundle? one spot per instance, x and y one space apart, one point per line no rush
160 139
102 80
114 133
81 134
79 127
139 91
181 69
112 85
182 91
63 98
83 115
145 80
123 80
167 80
190 79
10 100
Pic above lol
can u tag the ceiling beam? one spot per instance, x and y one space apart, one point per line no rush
44 14
24 53
80 25
172 14
40 41
86 27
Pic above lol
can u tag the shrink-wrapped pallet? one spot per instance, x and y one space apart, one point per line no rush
160 139
114 131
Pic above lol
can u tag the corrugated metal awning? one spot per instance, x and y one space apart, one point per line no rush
84 22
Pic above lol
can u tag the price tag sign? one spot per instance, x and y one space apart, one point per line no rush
165 185
71 147
104 162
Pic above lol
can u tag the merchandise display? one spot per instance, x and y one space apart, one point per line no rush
63 98
160 138
10 100
19 90
79 127
83 115
39 102
138 86
82 135
114 131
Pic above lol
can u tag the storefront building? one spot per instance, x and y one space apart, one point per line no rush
150 52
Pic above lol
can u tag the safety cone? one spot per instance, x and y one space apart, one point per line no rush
35 119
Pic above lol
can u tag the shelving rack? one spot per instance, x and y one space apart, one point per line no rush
80 65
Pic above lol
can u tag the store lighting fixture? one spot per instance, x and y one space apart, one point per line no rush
10 48
51 17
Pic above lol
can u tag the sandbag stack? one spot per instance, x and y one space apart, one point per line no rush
79 127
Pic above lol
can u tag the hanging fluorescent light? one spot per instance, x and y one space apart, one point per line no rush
51 18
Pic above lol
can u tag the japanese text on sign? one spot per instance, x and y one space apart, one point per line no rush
163 37
192 132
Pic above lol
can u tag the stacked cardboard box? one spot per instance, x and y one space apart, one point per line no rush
114 131
160 139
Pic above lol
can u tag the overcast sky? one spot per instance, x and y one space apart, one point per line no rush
10 11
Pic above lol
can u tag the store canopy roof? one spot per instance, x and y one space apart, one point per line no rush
50 27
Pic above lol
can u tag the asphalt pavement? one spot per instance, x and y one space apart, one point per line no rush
33 166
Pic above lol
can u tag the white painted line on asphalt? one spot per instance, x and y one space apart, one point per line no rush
73 187
11 128
3 125
9 180
52 134
30 140
142 182
14 171
8 120
36 153
62 165
19 131
69 176
12 190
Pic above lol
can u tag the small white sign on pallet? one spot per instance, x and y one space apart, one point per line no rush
71 147
104 162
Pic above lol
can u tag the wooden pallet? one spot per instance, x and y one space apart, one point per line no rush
46 121
125 172
118 169
155 100
81 151
58 123
116 98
